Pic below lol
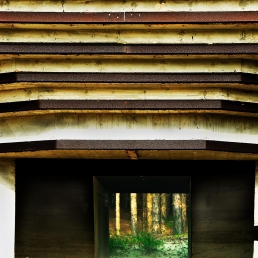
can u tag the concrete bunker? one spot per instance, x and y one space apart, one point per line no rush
56 215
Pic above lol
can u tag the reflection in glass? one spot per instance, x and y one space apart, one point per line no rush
148 225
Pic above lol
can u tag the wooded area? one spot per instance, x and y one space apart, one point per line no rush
157 219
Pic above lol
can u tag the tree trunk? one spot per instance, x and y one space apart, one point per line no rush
134 213
177 214
118 213
156 213
144 212
184 213
163 212
149 211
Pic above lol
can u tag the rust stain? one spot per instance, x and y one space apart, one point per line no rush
129 17
245 78
129 144
61 104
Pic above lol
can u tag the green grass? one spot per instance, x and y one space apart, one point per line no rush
144 241
119 242
145 244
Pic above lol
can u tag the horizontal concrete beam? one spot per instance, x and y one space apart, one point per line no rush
130 33
13 77
135 49
129 17
129 145
142 66
142 154
128 5
208 105
19 92
128 125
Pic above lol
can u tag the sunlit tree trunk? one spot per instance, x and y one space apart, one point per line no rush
184 213
156 213
163 205
177 214
133 213
118 213
144 212
149 211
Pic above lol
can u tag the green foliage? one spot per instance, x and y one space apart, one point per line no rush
144 241
147 242
168 221
178 236
118 242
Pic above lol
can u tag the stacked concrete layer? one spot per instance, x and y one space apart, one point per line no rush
146 80
127 5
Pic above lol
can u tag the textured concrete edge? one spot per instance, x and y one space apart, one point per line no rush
116 49
16 77
194 145
202 105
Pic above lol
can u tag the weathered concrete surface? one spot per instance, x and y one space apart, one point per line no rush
222 211
255 254
7 210
54 216
130 34
130 5
79 91
215 250
256 196
123 126
126 65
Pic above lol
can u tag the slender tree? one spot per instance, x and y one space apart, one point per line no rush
184 213
156 213
118 213
134 213
144 212
177 214
149 211
163 205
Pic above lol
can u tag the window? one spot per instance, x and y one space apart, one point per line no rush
142 216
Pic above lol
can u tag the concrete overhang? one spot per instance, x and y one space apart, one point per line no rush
23 48
104 149
130 17
140 77
128 106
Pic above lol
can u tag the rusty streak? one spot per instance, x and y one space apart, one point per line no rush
129 17
235 106
128 144
107 48
15 77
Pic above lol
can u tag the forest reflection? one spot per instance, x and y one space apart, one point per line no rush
148 225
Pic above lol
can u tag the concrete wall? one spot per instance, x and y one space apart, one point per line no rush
7 208
54 213
222 211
